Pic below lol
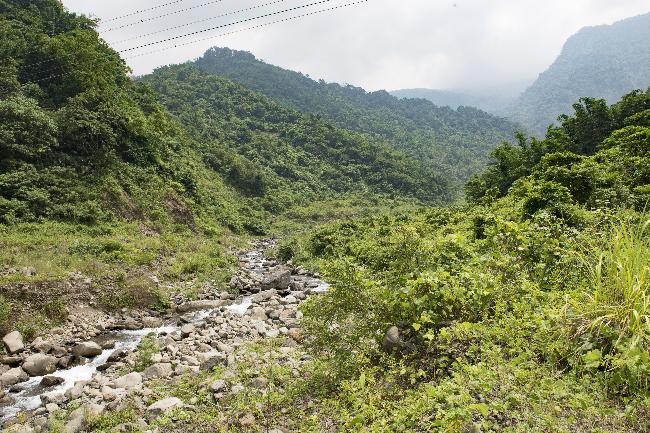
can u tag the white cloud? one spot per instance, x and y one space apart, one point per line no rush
452 44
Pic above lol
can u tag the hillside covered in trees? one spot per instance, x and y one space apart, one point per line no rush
82 142
453 142
599 62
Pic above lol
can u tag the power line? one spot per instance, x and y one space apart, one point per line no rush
255 27
197 22
130 14
173 38
146 20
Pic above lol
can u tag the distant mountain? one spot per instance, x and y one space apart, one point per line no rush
494 104
602 62
453 142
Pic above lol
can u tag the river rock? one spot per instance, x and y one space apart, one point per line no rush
117 355
88 349
49 381
40 364
13 361
129 381
13 342
392 340
277 280
161 407
13 376
260 383
152 322
158 371
218 386
187 330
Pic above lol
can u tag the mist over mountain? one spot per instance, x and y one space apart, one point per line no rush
492 103
601 62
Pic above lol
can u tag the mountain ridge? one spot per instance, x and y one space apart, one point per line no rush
605 61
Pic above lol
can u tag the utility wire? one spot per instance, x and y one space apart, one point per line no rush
130 14
255 27
168 14
173 38
196 22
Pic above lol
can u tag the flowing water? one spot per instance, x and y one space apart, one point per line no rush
29 396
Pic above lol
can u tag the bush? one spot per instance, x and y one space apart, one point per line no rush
611 317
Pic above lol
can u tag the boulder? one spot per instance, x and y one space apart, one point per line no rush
158 371
218 386
212 360
279 279
164 406
13 376
392 340
40 364
117 355
187 330
88 349
260 383
13 361
49 381
152 322
13 342
129 381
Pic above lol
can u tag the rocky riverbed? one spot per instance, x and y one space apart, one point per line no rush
93 364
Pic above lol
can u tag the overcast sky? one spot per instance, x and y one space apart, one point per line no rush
381 44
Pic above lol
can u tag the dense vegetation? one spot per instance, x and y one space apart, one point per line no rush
598 62
454 142
526 311
279 154
97 177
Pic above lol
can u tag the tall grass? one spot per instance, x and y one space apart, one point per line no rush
617 299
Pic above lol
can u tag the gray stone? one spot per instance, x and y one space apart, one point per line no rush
152 322
218 386
117 355
40 364
158 371
129 381
88 349
213 361
49 381
392 340
187 330
13 342
260 383
277 280
164 406
13 376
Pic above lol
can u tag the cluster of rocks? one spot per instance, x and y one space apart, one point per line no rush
188 346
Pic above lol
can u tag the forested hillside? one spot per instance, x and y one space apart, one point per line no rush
453 142
102 176
281 155
82 142
598 62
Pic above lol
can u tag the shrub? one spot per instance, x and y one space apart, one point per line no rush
613 314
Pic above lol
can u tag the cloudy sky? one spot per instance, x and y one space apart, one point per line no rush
475 45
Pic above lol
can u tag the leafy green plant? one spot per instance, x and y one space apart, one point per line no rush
614 310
